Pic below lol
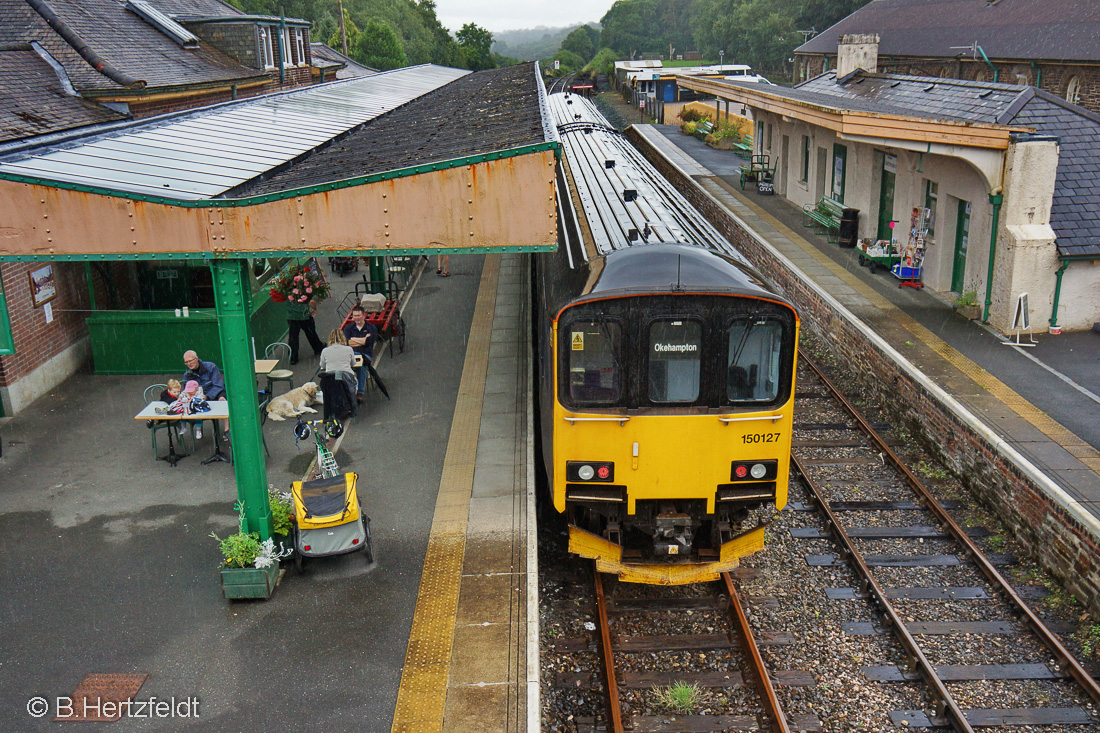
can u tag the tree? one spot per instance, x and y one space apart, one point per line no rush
379 47
350 30
632 27
603 62
475 43
582 41
568 62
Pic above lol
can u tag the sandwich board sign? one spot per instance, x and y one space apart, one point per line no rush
1021 321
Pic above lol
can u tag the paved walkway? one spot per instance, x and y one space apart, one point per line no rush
1044 402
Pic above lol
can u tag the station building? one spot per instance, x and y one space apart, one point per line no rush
1053 45
72 68
1007 174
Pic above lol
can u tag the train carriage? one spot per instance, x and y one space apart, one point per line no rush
666 371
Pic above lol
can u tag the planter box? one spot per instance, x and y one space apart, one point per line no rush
970 312
249 582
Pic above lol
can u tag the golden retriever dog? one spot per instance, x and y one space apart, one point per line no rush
293 403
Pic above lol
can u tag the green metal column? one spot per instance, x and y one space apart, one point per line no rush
378 270
232 297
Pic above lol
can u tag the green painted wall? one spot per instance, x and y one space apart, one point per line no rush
153 342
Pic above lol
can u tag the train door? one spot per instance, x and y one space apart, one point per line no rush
962 239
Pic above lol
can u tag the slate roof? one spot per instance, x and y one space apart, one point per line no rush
483 112
33 100
324 56
1050 30
123 40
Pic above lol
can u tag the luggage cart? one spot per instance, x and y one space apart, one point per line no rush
880 254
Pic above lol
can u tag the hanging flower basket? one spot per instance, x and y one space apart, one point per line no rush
298 285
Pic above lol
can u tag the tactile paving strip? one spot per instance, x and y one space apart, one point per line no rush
423 692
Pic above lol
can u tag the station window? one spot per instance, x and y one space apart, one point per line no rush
1073 90
675 360
267 56
804 171
594 360
931 200
752 366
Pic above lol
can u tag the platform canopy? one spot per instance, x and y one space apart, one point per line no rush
409 161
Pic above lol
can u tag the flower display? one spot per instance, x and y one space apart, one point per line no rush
298 284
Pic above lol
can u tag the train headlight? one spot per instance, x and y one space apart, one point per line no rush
595 471
754 470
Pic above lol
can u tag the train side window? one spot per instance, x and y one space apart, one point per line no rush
594 359
675 360
755 348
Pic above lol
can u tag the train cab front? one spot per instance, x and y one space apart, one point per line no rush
672 431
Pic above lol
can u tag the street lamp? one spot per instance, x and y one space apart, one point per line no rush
721 55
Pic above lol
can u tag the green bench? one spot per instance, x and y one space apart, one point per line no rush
825 214
703 128
756 168
744 148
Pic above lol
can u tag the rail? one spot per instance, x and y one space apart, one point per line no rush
614 711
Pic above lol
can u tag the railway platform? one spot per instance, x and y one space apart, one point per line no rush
110 568
1044 402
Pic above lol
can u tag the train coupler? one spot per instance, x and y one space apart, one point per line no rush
674 535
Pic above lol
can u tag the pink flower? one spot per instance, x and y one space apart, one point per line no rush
309 290
297 277
295 291
303 299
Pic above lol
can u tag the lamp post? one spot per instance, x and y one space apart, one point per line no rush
721 56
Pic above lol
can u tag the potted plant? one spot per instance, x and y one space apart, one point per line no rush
967 306
282 515
250 568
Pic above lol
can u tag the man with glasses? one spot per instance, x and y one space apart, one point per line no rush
210 379
361 335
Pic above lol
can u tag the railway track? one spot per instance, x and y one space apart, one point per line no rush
928 582
927 636
649 640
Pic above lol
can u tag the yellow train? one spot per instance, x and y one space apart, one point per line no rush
666 372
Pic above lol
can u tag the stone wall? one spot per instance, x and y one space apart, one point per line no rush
1063 542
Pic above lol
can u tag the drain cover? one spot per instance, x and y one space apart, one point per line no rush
97 697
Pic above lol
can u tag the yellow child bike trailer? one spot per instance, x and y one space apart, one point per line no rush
328 519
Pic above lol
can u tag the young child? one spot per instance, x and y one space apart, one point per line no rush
192 392
169 395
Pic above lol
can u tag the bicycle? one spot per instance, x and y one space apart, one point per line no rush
321 430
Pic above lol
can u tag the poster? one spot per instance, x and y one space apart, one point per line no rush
43 287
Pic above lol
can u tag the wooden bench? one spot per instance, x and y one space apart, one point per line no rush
825 214
744 148
755 167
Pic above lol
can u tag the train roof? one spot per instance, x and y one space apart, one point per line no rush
663 267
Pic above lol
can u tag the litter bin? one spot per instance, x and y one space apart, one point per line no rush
849 228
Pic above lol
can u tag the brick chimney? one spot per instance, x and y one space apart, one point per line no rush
856 51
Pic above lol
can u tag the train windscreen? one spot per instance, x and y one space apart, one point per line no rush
595 375
752 369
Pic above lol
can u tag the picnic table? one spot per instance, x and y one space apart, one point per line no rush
219 410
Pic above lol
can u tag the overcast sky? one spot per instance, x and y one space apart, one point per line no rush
511 15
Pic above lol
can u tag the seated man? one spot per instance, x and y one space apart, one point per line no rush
361 335
210 380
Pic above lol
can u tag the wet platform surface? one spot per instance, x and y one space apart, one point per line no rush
110 567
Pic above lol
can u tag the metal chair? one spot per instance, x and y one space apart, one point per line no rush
152 394
265 400
280 351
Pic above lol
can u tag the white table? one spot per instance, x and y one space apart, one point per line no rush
218 411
